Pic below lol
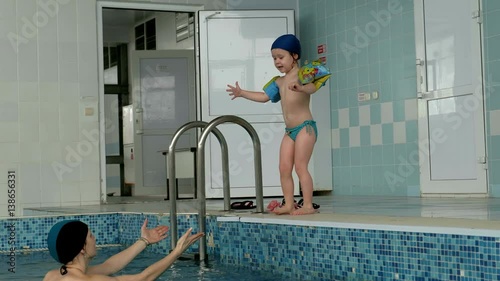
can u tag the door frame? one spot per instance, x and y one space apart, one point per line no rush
100 5
419 22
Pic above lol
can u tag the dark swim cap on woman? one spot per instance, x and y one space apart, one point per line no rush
289 43
66 239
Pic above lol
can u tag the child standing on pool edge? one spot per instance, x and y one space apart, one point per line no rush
301 131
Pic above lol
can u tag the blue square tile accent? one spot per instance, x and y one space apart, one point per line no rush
375 114
388 154
345 156
344 137
411 131
365 135
388 133
353 116
356 156
366 156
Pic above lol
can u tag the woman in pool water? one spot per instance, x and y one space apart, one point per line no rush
71 243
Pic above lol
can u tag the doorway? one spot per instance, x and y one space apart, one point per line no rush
125 29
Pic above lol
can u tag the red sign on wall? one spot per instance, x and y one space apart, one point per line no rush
321 48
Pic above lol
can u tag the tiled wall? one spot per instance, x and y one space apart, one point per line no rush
371 47
47 80
49 101
492 91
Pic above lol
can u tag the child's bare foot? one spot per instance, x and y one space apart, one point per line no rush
303 211
283 210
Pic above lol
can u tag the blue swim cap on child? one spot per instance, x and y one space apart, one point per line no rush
289 43
66 239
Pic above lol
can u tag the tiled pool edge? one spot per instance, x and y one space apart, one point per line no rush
344 251
298 249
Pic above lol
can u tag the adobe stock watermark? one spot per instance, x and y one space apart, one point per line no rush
438 136
363 37
28 29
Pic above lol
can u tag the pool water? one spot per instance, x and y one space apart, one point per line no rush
34 266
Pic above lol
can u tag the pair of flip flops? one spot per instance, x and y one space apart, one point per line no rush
243 205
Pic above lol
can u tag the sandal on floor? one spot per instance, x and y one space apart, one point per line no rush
244 205
301 202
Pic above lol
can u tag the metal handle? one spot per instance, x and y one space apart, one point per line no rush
420 79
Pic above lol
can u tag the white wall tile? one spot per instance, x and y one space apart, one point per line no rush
28 50
68 17
90 191
9 111
87 31
335 138
10 132
69 124
3 209
89 170
68 92
8 40
49 92
28 91
51 152
50 184
30 183
68 168
70 192
47 42
411 109
49 122
354 137
376 134
9 152
344 118
29 122
494 125
399 132
9 90
30 152
364 115
387 112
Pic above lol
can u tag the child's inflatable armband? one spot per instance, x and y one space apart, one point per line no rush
272 90
314 72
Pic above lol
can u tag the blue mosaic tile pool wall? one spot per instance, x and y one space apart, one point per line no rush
32 232
130 225
327 253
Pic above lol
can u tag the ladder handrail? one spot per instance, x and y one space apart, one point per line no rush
200 170
172 179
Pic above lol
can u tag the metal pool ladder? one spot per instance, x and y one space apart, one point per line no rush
200 172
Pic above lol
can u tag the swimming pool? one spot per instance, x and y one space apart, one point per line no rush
300 249
34 266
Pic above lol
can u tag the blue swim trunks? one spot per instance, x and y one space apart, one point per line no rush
293 132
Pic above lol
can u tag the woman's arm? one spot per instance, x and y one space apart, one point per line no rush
155 270
236 91
119 261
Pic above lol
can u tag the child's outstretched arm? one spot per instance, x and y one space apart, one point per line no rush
308 88
236 91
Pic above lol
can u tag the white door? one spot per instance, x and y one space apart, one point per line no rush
450 98
163 87
235 46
